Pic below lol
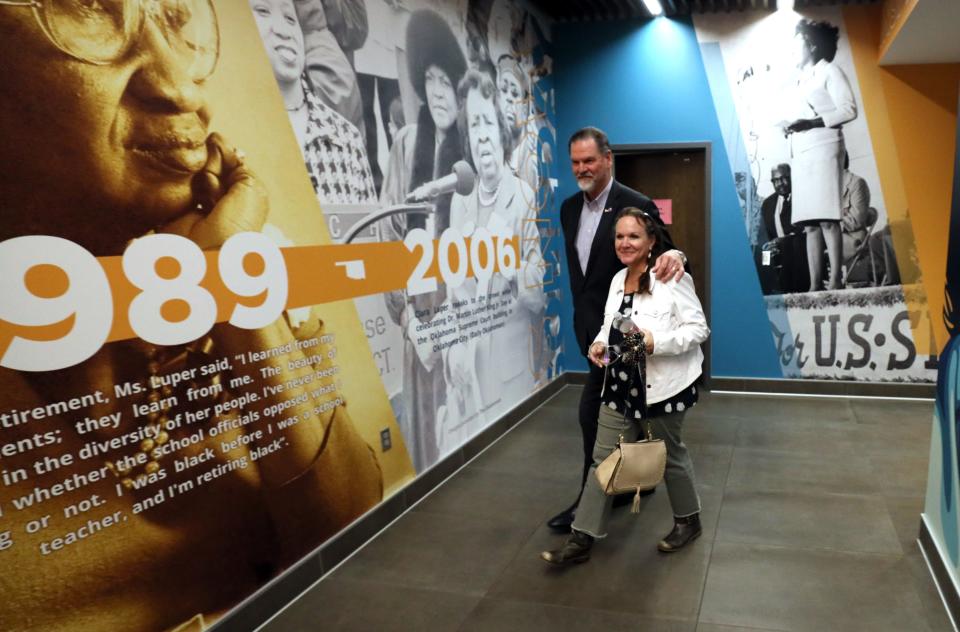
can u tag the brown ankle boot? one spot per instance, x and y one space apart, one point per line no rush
576 550
685 530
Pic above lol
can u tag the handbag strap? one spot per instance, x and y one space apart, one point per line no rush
647 430
634 357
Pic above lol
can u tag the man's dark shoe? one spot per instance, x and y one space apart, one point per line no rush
562 521
685 530
575 551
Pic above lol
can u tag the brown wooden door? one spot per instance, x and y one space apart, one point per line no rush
679 175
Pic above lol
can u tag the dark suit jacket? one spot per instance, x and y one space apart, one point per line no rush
788 270
769 210
590 290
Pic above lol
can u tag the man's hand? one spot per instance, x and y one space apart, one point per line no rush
668 266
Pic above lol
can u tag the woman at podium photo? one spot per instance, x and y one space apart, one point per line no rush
423 152
502 360
822 104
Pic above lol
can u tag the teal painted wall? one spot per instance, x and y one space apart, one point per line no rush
644 82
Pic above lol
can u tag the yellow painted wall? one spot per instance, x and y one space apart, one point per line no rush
912 113
894 16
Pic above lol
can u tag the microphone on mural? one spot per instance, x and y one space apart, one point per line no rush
460 180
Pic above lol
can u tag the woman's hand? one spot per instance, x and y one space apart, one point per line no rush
647 340
596 352
799 125
802 125
236 200
460 366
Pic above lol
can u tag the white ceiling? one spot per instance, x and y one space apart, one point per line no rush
931 35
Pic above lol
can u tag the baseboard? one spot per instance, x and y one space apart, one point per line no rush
577 378
283 589
823 387
803 387
938 570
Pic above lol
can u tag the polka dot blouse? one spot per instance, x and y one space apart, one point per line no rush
624 390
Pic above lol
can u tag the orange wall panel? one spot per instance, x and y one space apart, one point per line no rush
913 116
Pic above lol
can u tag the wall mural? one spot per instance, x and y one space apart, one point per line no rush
841 301
226 330
423 121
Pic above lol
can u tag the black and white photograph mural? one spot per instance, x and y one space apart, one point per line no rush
839 298
421 121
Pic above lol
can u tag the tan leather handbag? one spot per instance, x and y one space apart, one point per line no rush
633 467
640 465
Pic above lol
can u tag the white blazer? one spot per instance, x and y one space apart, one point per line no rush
672 312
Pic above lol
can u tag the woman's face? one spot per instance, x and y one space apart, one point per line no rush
282 37
499 28
96 147
632 242
511 99
483 131
802 51
441 98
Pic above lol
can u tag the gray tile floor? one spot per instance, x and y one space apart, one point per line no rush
811 509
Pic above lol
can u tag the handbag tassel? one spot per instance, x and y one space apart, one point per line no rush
635 508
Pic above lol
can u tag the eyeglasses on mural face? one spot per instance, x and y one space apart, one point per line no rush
101 32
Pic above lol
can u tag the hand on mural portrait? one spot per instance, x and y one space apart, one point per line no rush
460 365
231 199
502 286
799 125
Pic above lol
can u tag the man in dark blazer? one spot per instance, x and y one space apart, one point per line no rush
785 269
776 208
587 219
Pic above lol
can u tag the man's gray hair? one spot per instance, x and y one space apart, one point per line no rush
597 134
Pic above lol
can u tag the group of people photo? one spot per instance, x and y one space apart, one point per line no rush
817 229
350 71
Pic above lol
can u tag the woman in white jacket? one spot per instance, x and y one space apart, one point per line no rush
673 325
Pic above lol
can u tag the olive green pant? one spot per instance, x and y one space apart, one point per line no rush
594 508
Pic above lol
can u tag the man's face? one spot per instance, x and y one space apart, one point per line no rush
280 31
781 181
590 167
116 144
